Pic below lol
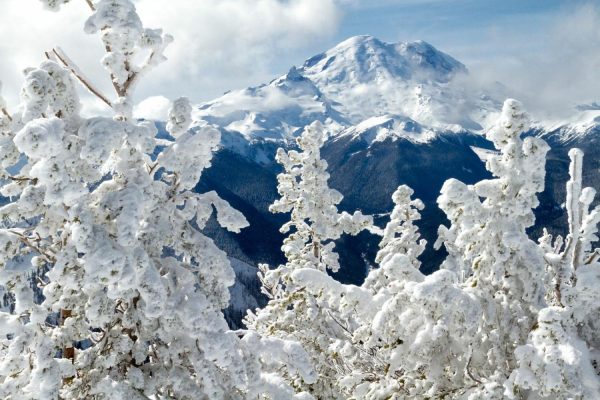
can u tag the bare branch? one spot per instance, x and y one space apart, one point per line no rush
6 114
68 63
91 5
593 257
468 368
49 258
22 179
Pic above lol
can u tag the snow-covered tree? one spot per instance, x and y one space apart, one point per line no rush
315 221
400 237
560 358
488 244
503 317
401 334
409 338
292 312
462 331
134 290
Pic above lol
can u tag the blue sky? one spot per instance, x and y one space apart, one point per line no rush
470 30
548 49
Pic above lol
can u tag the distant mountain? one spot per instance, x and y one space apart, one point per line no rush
357 80
397 113
367 78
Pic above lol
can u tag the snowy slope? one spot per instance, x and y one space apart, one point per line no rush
245 293
580 125
379 129
368 77
273 112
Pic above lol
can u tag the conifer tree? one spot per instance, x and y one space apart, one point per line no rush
292 313
489 244
560 358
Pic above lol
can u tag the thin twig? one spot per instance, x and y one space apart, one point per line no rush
22 179
68 63
120 91
133 77
6 114
49 258
152 168
593 257
91 5
468 367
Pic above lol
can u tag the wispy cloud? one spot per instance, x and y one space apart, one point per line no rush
553 69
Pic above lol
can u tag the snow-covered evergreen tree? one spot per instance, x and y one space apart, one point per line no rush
400 237
560 358
315 221
292 313
409 340
488 244
134 290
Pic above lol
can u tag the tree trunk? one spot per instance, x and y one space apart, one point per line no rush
68 352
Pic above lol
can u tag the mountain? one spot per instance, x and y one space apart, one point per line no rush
357 80
367 78
397 113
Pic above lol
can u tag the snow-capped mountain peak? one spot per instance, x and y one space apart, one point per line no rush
365 59
368 77
357 80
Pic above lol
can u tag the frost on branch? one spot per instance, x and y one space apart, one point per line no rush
126 40
54 5
555 362
188 155
179 117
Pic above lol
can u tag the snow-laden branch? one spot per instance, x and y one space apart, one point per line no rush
77 73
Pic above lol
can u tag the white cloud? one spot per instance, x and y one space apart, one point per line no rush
153 108
27 31
552 70
229 44
374 4
219 44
